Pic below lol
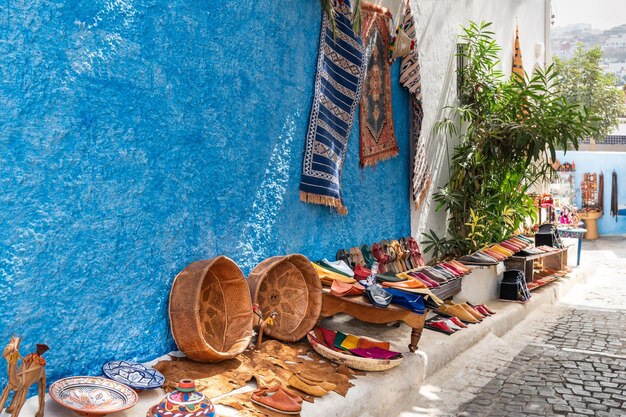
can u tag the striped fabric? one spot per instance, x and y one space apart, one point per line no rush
411 79
518 66
338 86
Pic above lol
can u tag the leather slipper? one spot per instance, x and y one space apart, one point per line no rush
277 400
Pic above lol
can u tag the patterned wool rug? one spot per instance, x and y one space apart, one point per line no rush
338 87
378 139
411 79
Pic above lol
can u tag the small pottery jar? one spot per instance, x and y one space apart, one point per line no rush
184 402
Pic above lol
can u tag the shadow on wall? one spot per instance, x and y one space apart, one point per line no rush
256 240
439 150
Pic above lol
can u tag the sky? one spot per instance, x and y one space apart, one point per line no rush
602 14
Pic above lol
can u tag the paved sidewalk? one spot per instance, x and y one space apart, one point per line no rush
567 360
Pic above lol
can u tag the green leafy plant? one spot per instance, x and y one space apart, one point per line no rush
507 129
582 80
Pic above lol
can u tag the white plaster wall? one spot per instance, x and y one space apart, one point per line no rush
439 23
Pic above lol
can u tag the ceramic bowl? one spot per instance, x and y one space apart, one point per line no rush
135 375
92 396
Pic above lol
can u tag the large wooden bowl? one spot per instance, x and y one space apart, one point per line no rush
289 286
211 310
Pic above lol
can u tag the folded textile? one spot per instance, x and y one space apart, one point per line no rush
350 342
376 353
413 302
338 87
339 338
367 343
328 336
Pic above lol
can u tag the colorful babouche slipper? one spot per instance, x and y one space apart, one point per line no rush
457 311
339 267
410 301
438 326
378 296
278 400
342 289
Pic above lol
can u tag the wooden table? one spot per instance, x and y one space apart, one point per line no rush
552 260
575 233
360 308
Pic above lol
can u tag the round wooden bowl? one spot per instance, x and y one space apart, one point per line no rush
351 361
289 286
211 310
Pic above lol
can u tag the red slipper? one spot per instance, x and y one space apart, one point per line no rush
458 322
439 326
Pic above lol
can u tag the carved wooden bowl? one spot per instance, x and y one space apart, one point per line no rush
289 286
211 310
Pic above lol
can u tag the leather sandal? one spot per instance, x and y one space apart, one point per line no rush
416 253
401 265
391 256
407 254
367 256
357 257
344 255
380 256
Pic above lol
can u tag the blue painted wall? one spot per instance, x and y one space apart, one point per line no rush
602 162
138 136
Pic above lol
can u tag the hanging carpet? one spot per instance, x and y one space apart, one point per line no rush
338 86
410 78
377 136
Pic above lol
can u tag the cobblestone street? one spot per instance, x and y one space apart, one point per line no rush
567 360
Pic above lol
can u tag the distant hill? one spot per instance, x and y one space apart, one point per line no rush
612 42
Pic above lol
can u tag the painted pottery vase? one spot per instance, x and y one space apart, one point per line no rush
185 401
92 396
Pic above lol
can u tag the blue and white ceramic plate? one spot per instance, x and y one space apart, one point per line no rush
135 375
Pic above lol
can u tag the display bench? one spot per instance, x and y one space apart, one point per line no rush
361 309
551 260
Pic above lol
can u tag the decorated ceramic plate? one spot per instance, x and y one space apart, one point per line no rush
92 396
135 375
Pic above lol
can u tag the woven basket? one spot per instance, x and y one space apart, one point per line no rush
289 286
354 362
211 311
